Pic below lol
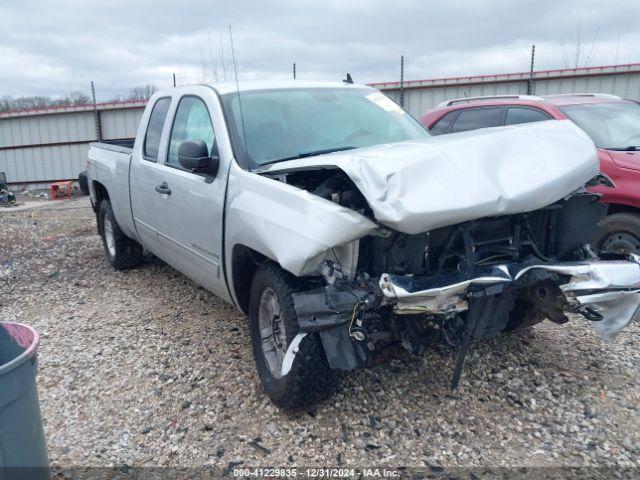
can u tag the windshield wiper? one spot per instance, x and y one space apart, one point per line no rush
630 148
311 153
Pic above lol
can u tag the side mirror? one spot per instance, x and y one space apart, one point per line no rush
193 155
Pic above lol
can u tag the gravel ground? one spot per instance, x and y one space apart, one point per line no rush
145 368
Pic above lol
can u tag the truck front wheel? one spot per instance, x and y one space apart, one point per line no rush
273 326
121 251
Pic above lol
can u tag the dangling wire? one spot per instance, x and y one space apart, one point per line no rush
359 334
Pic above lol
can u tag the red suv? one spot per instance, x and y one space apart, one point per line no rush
612 123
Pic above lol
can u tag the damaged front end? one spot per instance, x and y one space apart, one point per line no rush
451 239
468 281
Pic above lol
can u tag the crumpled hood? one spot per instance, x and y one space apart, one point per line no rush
417 186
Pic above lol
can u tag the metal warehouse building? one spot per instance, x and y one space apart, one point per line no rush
38 147
422 95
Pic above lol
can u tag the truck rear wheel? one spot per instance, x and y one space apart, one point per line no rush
121 251
273 326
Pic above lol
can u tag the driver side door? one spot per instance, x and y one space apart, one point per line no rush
190 216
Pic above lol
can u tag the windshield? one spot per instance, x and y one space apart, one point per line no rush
613 126
293 123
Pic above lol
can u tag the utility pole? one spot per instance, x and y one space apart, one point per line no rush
530 82
174 79
294 70
402 81
96 114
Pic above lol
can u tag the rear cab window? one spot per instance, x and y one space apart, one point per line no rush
474 118
154 129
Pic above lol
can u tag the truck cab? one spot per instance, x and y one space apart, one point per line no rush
175 212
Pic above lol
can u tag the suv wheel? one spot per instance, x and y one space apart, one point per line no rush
619 233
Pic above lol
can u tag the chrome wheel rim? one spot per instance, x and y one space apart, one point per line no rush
108 237
621 242
272 332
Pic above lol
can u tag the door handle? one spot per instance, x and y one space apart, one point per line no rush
163 189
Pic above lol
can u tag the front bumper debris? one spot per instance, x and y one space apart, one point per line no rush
610 288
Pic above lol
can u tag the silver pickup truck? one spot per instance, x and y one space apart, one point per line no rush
339 225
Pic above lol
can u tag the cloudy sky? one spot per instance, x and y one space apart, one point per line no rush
51 47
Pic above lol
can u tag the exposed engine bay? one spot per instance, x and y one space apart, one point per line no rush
461 282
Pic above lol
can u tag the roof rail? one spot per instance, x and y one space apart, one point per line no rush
595 95
448 103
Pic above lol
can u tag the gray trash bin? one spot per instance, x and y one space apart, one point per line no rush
23 452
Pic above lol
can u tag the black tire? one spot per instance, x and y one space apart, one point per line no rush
310 378
126 253
83 182
620 233
522 317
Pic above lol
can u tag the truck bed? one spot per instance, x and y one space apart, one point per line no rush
108 165
123 146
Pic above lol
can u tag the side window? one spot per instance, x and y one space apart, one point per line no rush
154 129
473 118
192 122
442 125
525 115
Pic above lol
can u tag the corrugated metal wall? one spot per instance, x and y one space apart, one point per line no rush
43 164
120 123
44 129
423 95
37 147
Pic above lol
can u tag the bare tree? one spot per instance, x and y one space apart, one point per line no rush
8 103
78 98
74 98
580 53
30 103
141 93
216 64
